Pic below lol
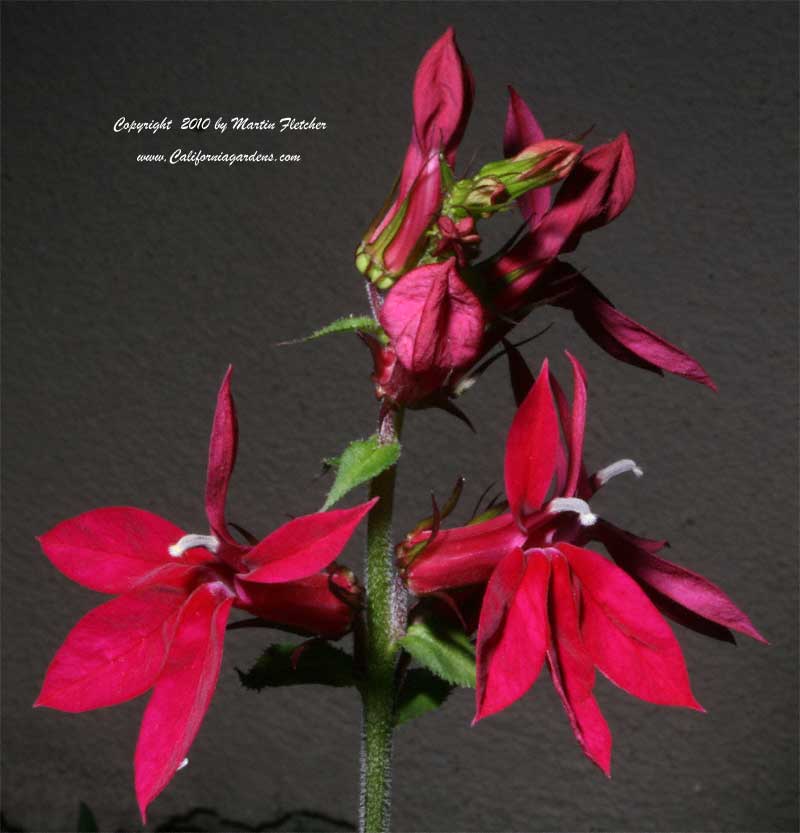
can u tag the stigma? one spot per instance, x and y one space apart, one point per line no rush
600 478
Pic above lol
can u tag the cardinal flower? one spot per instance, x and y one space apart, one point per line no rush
165 630
550 600
597 190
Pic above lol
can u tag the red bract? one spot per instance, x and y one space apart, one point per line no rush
548 599
597 190
166 630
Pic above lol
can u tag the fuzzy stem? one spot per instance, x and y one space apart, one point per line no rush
385 621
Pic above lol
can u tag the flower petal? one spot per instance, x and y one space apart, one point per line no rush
115 652
433 319
597 190
685 588
221 458
572 669
182 693
306 606
620 336
573 422
463 556
303 546
512 633
522 130
628 639
532 449
111 550
443 93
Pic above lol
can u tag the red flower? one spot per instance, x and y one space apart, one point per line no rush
548 598
166 630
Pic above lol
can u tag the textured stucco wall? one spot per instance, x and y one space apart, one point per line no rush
128 288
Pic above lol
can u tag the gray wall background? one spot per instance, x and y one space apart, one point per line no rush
128 288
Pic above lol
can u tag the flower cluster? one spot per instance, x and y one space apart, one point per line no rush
519 580
440 308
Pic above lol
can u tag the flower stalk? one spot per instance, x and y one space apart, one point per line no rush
385 621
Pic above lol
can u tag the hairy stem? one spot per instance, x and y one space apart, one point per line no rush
385 621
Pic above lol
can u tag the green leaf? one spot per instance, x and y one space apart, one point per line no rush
422 692
361 461
348 324
86 820
444 649
318 663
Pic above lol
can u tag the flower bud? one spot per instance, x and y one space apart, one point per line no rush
537 165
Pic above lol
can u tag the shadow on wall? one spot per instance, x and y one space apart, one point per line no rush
204 820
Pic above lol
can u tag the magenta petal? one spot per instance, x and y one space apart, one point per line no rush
111 550
303 546
114 653
512 633
620 336
443 93
221 458
532 449
596 191
573 422
684 587
572 670
627 637
307 605
464 556
523 130
424 199
182 693
433 319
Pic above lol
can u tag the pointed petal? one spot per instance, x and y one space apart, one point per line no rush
685 588
424 199
597 190
111 550
522 130
307 605
115 652
182 693
572 670
443 93
573 423
532 449
303 546
221 458
621 336
628 639
512 633
433 319
463 556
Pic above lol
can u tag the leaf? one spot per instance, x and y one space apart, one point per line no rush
422 692
444 649
361 461
317 663
348 324
86 820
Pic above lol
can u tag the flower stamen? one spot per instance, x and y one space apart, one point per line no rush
600 478
188 542
573 504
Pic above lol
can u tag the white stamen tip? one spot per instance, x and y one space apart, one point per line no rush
620 467
574 504
182 764
188 542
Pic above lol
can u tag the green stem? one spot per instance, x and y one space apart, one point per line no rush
385 621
